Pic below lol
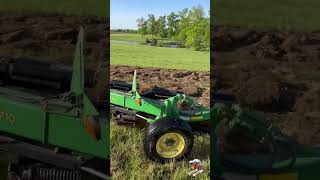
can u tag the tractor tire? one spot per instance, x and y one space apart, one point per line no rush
168 139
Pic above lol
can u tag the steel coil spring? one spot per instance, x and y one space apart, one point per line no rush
56 174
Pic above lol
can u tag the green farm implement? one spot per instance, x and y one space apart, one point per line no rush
250 148
169 116
48 121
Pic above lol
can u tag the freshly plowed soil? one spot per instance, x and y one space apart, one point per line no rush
52 37
195 84
276 72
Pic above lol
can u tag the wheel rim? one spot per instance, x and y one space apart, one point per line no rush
170 145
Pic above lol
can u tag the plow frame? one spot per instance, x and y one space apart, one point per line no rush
298 162
56 129
158 109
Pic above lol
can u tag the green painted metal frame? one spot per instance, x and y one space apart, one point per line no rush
166 108
306 165
57 122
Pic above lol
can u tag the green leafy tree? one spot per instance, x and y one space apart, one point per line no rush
152 25
196 14
197 36
198 32
142 26
162 24
184 24
191 26
172 24
207 34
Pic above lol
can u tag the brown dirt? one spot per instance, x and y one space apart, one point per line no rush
276 72
52 37
195 84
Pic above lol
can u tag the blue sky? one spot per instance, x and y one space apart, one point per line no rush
124 13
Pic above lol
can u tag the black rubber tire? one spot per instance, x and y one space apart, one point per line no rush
162 126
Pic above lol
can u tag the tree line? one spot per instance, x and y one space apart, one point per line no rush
191 26
123 30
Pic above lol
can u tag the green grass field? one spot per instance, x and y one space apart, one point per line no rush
149 56
279 14
129 162
131 37
70 7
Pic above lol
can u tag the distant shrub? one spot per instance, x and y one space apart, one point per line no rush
161 44
148 41
154 42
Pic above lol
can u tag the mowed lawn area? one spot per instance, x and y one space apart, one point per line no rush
131 37
160 57
278 14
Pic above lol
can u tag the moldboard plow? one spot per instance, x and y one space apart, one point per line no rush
171 118
49 122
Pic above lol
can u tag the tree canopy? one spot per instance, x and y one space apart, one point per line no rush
191 26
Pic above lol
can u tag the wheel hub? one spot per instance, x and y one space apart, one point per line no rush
170 145
170 142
